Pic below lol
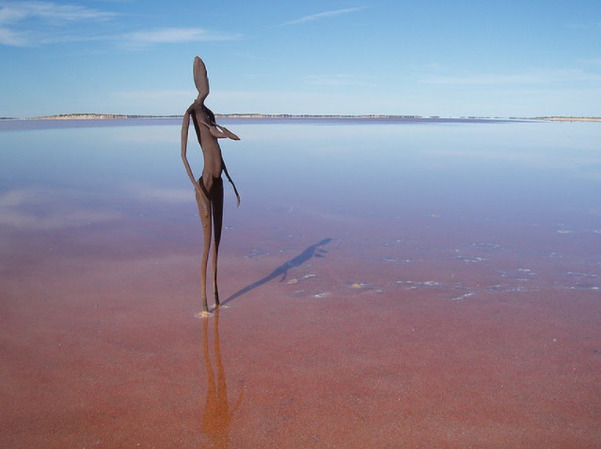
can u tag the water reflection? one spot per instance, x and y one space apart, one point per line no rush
217 416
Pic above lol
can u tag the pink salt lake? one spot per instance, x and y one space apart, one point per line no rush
386 284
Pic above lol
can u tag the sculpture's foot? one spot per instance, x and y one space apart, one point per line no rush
203 314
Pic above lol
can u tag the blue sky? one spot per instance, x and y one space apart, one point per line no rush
448 58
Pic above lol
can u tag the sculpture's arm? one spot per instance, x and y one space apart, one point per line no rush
227 132
220 132
184 148
231 182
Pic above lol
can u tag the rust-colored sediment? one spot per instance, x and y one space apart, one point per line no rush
361 350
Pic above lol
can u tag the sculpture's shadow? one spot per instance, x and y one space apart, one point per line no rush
312 251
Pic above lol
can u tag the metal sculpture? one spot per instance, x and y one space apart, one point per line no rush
209 187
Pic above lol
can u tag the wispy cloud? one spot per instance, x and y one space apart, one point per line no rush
578 26
33 23
322 15
12 38
535 77
595 62
482 79
333 80
175 36
30 23
12 12
582 26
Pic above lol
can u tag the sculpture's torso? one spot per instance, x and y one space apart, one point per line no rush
210 147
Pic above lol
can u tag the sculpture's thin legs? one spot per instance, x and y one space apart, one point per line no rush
217 205
204 209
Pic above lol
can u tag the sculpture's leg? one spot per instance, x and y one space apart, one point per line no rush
204 209
217 203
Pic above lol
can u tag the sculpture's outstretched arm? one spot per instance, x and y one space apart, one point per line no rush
220 132
184 146
227 132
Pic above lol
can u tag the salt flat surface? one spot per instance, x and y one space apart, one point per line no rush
406 284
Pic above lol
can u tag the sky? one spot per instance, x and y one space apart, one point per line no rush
509 58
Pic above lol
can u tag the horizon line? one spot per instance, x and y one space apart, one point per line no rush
251 115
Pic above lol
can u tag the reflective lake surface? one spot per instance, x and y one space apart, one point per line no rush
389 284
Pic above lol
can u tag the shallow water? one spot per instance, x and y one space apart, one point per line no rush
410 283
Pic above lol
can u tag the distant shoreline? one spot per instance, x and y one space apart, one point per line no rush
569 119
92 116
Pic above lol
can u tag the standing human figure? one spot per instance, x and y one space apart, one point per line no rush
209 187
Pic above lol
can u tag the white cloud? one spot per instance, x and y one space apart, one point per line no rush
322 15
535 77
35 23
483 79
305 102
30 23
175 36
12 38
333 80
13 12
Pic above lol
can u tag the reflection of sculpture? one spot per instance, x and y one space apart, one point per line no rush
209 187
217 416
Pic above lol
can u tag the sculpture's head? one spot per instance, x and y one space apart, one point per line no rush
201 80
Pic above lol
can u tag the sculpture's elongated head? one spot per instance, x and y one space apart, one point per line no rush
201 80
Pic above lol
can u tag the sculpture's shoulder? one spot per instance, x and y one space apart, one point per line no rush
192 109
